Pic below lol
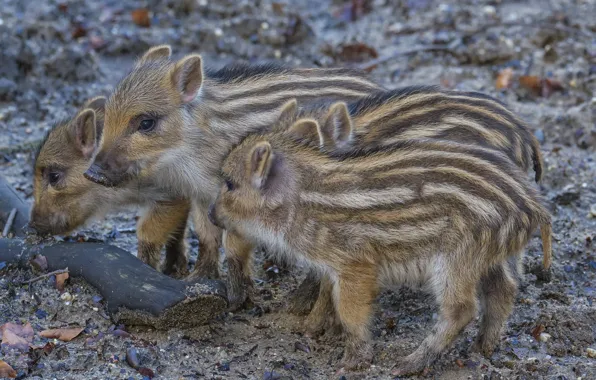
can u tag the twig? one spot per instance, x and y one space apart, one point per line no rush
46 275
9 222
375 62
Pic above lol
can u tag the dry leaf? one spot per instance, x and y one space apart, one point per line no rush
65 335
549 86
278 8
60 279
17 336
141 17
537 331
504 78
147 372
532 83
460 363
357 52
6 370
79 31
540 86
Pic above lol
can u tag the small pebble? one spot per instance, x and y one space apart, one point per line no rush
132 358
66 296
591 353
490 10
593 210
544 337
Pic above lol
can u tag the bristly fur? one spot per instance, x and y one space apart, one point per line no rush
237 72
430 112
454 217
46 136
201 114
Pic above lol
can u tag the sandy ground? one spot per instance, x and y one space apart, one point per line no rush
56 54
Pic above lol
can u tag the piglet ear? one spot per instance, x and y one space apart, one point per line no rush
83 132
306 130
336 130
187 77
98 104
155 53
289 110
261 158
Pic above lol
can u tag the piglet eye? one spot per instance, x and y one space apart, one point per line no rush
147 125
229 185
53 178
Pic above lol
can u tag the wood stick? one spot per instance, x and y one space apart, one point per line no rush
45 275
9 222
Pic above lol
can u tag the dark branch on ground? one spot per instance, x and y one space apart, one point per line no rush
135 293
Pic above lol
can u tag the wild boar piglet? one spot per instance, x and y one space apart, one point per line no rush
64 200
425 212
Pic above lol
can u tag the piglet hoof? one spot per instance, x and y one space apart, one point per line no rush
408 366
314 326
239 300
175 271
484 348
204 270
357 360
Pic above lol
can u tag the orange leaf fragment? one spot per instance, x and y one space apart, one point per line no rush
60 279
540 86
504 78
141 17
537 331
65 335
532 83
6 370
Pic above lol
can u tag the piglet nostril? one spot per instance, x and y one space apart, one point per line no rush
96 174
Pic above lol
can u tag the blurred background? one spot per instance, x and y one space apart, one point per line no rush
538 56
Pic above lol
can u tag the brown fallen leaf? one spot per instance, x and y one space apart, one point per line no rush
536 331
79 31
6 370
357 52
60 279
532 83
148 372
278 8
549 86
504 79
17 336
65 334
540 86
460 363
141 17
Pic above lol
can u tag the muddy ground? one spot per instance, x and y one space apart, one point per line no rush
56 54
